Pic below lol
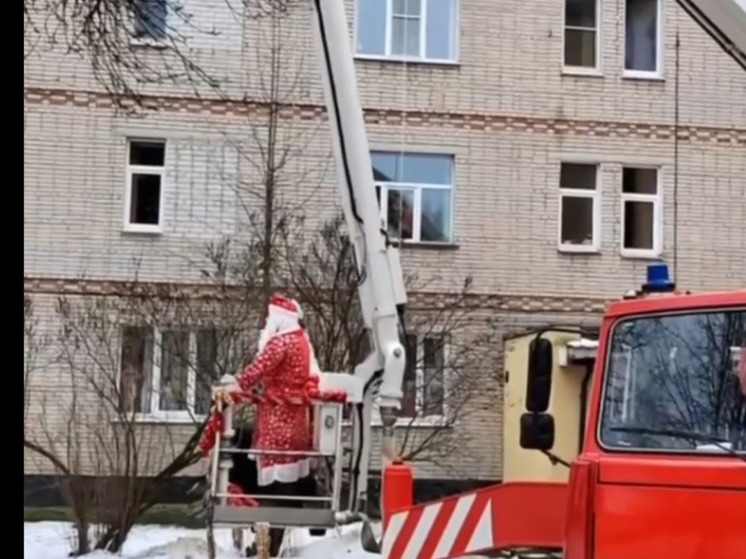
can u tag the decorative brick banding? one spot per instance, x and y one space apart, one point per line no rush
417 300
429 119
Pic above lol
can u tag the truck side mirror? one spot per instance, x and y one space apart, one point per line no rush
539 381
537 431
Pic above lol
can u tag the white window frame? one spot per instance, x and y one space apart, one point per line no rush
583 70
417 209
422 58
420 382
130 170
657 201
421 420
643 74
595 196
168 416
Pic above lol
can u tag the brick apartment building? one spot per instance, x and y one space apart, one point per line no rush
529 145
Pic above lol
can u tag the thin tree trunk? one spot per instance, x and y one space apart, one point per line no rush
270 170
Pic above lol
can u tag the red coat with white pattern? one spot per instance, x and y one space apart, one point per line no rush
283 417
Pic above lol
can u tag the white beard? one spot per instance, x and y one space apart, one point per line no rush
315 369
276 324
264 336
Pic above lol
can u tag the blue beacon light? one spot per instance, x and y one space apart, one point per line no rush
658 280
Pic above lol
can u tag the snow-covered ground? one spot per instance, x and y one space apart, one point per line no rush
52 540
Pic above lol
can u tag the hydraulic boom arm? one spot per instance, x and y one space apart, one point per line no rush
381 285
724 21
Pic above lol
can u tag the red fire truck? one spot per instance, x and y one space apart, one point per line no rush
662 470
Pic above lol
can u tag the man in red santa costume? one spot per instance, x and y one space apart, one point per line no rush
283 366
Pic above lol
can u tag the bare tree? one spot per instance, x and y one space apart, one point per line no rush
36 354
128 43
448 344
288 246
131 45
279 170
132 384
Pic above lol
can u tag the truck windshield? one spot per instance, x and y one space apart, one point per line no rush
682 372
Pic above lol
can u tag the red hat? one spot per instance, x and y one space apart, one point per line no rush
278 303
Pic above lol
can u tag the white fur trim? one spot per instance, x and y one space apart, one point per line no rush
284 473
286 331
315 369
300 310
283 310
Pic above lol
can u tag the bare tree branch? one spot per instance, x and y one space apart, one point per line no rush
102 423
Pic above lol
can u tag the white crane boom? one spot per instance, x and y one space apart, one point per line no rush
381 285
724 21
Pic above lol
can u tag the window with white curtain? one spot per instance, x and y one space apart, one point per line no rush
642 44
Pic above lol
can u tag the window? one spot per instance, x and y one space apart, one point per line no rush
674 372
169 373
642 44
579 207
424 377
581 42
641 227
145 177
407 29
149 19
415 193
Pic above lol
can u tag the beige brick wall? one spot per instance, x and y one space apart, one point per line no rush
70 399
64 415
506 168
505 197
506 112
510 63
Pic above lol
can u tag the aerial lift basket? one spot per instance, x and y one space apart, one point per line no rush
323 511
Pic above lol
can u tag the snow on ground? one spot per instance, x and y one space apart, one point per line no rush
52 540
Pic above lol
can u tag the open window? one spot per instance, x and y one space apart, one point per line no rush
642 230
579 206
146 170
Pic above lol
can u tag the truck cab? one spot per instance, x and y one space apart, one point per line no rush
660 470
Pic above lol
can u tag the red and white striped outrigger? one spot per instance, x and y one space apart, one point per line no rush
498 518
448 528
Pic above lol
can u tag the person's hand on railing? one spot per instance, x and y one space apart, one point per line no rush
224 395
227 391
